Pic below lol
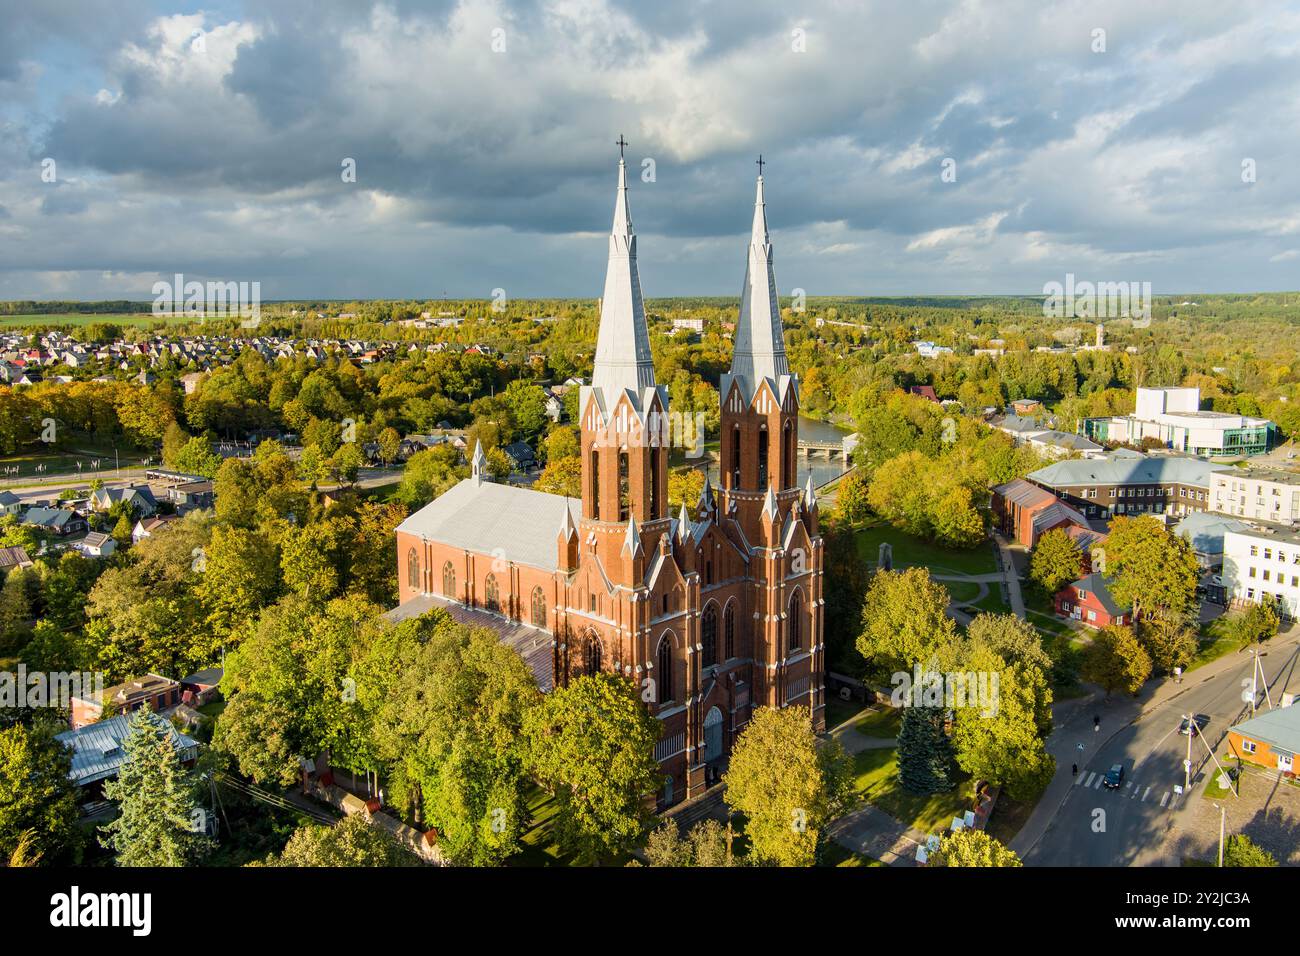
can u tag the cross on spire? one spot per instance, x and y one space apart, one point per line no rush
621 143
760 164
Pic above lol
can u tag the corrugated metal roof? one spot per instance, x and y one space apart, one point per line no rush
97 749
517 524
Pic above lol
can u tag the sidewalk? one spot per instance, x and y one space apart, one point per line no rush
1010 578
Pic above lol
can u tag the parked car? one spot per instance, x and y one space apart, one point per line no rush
1114 777
1194 726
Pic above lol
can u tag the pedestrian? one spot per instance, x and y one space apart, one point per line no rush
1096 723
1074 770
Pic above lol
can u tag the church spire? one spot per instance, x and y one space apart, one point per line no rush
760 344
623 345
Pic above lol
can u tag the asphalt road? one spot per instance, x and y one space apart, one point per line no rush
1126 827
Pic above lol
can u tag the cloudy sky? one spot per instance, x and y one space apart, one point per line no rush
211 140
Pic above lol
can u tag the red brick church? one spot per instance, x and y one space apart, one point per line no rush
711 617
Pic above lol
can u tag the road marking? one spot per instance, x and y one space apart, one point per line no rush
1145 795
1099 781
1165 798
1133 795
1091 775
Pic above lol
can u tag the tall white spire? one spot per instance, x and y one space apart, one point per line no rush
623 346
760 344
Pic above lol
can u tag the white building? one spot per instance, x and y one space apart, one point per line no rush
1260 494
1172 416
1263 564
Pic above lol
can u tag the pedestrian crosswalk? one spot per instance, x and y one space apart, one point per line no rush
1130 790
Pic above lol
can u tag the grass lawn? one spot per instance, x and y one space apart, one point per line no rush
1216 640
912 552
836 855
1009 816
992 602
141 320
876 779
838 711
539 845
962 592
882 723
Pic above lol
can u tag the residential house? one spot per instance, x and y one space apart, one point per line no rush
59 521
201 686
521 454
14 557
146 527
10 503
98 749
151 691
96 545
1089 600
1270 739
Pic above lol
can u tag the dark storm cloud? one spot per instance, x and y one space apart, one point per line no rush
472 164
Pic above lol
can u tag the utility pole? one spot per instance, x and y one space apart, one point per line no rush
1222 814
1187 763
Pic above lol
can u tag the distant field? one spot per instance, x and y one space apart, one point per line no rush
142 319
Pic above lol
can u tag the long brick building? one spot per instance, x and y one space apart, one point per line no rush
712 617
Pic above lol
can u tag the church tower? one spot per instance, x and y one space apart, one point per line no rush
761 494
760 398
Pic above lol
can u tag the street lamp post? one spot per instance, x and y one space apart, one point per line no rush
1222 824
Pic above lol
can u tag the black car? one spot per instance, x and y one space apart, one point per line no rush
1193 726
1114 777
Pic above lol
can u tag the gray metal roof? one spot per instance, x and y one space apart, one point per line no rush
1136 471
516 524
1279 728
533 644
97 749
1205 530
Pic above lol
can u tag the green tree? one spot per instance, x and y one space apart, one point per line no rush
427 475
354 841
705 844
527 404
925 754
1055 562
155 825
1258 622
969 847
36 795
196 457
261 736
904 620
561 476
592 744
1154 571
851 501
787 785
562 442
390 445
1116 660
1240 850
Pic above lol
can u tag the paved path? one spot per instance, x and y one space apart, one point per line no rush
876 834
1010 577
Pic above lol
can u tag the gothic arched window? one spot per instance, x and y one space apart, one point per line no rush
762 458
729 631
787 456
709 636
735 457
412 569
654 484
449 581
665 667
595 484
624 488
539 607
491 594
796 621
591 654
